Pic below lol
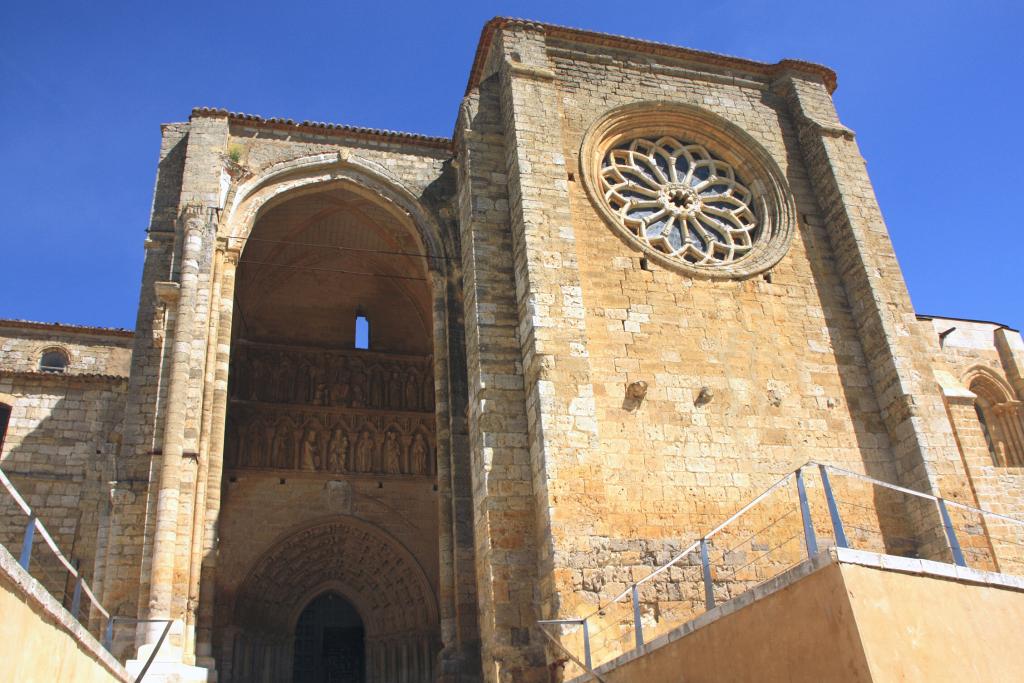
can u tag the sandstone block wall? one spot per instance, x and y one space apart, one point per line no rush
62 439
979 366
818 359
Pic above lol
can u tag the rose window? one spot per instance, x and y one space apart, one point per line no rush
679 200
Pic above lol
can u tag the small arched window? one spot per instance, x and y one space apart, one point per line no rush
362 332
53 360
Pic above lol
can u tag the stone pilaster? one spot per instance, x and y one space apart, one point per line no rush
504 505
553 338
198 231
1011 354
206 588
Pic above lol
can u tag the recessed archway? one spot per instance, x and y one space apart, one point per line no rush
365 568
317 423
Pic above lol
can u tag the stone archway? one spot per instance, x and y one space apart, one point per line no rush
272 231
360 563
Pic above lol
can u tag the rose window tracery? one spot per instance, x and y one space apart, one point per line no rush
676 198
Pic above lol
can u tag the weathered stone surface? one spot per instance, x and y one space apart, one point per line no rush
554 413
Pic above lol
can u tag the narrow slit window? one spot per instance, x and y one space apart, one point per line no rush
5 417
362 332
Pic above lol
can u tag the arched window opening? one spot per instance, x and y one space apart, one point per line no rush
362 332
986 432
1001 420
5 418
53 360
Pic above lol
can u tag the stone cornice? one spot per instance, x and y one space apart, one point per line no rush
66 327
321 128
63 376
643 47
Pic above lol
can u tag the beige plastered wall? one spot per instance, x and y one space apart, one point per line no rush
40 642
851 623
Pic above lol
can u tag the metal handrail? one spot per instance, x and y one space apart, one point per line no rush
108 638
34 525
587 664
810 541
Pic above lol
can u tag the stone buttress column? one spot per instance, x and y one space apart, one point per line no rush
925 453
503 501
460 632
167 576
198 232
561 411
206 586
1011 355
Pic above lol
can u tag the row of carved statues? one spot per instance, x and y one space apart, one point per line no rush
331 378
341 444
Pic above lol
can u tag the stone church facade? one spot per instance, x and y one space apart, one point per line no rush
409 395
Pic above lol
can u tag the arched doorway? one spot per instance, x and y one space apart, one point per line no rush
331 416
329 642
369 570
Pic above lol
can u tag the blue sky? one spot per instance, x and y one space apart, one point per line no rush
933 90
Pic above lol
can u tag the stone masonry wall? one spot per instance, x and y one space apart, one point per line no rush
620 486
972 351
61 442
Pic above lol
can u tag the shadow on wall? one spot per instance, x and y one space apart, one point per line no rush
60 466
887 528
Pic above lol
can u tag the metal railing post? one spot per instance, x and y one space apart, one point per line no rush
805 513
26 544
638 629
947 525
705 568
833 509
108 634
586 646
76 598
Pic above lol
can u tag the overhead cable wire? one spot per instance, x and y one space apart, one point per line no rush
342 248
332 270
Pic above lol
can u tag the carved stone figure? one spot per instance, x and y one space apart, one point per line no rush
358 388
394 389
281 450
310 454
303 381
253 457
412 398
376 389
364 453
392 454
419 456
256 378
340 392
337 451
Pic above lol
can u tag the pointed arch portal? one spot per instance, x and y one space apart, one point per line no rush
337 451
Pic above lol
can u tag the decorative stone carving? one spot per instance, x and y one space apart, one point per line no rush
392 454
691 190
381 579
334 442
335 412
680 200
332 378
337 451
